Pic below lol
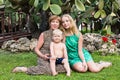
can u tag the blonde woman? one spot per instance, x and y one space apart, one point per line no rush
80 59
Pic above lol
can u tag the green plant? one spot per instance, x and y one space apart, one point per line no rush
109 46
87 11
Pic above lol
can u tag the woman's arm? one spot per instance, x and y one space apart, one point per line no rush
39 45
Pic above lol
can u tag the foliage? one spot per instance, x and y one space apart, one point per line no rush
9 60
1 2
86 11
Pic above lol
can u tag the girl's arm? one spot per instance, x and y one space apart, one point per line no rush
80 45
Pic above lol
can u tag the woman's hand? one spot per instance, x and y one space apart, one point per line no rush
46 56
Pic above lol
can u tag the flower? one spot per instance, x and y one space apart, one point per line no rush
105 39
114 41
108 45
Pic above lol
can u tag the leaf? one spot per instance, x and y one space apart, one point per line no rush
36 3
108 29
112 14
79 5
46 4
59 2
103 14
97 14
114 21
56 9
116 5
1 2
89 1
118 2
31 2
101 4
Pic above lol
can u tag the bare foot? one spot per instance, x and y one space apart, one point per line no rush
105 64
19 69
68 74
54 74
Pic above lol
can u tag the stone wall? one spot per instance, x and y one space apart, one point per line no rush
92 42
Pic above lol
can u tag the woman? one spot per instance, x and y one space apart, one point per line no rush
79 59
43 51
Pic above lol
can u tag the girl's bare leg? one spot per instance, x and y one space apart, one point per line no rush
79 67
96 67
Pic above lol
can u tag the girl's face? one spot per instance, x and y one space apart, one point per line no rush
54 24
66 22
57 38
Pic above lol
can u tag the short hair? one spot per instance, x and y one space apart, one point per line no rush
54 17
57 31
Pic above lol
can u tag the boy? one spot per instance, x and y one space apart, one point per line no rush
58 52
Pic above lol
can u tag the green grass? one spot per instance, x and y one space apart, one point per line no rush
9 60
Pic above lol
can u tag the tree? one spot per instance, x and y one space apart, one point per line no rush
86 11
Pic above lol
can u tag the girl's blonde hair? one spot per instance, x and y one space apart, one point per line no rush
73 27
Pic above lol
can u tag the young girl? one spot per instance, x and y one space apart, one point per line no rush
79 59
58 52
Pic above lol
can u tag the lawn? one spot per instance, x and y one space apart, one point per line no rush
9 60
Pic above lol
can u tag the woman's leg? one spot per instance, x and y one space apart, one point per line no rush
19 69
79 67
96 67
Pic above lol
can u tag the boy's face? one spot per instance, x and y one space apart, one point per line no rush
57 38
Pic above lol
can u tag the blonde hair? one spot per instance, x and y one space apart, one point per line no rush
73 28
57 32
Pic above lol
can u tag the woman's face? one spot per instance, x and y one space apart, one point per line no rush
66 22
54 24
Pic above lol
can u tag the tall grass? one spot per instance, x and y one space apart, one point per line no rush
10 60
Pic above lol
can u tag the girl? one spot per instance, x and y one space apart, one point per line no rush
79 59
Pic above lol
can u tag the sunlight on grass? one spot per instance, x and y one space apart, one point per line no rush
10 60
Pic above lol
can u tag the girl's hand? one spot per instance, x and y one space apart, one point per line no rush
84 65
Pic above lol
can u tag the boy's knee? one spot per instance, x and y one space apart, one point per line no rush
52 60
65 61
